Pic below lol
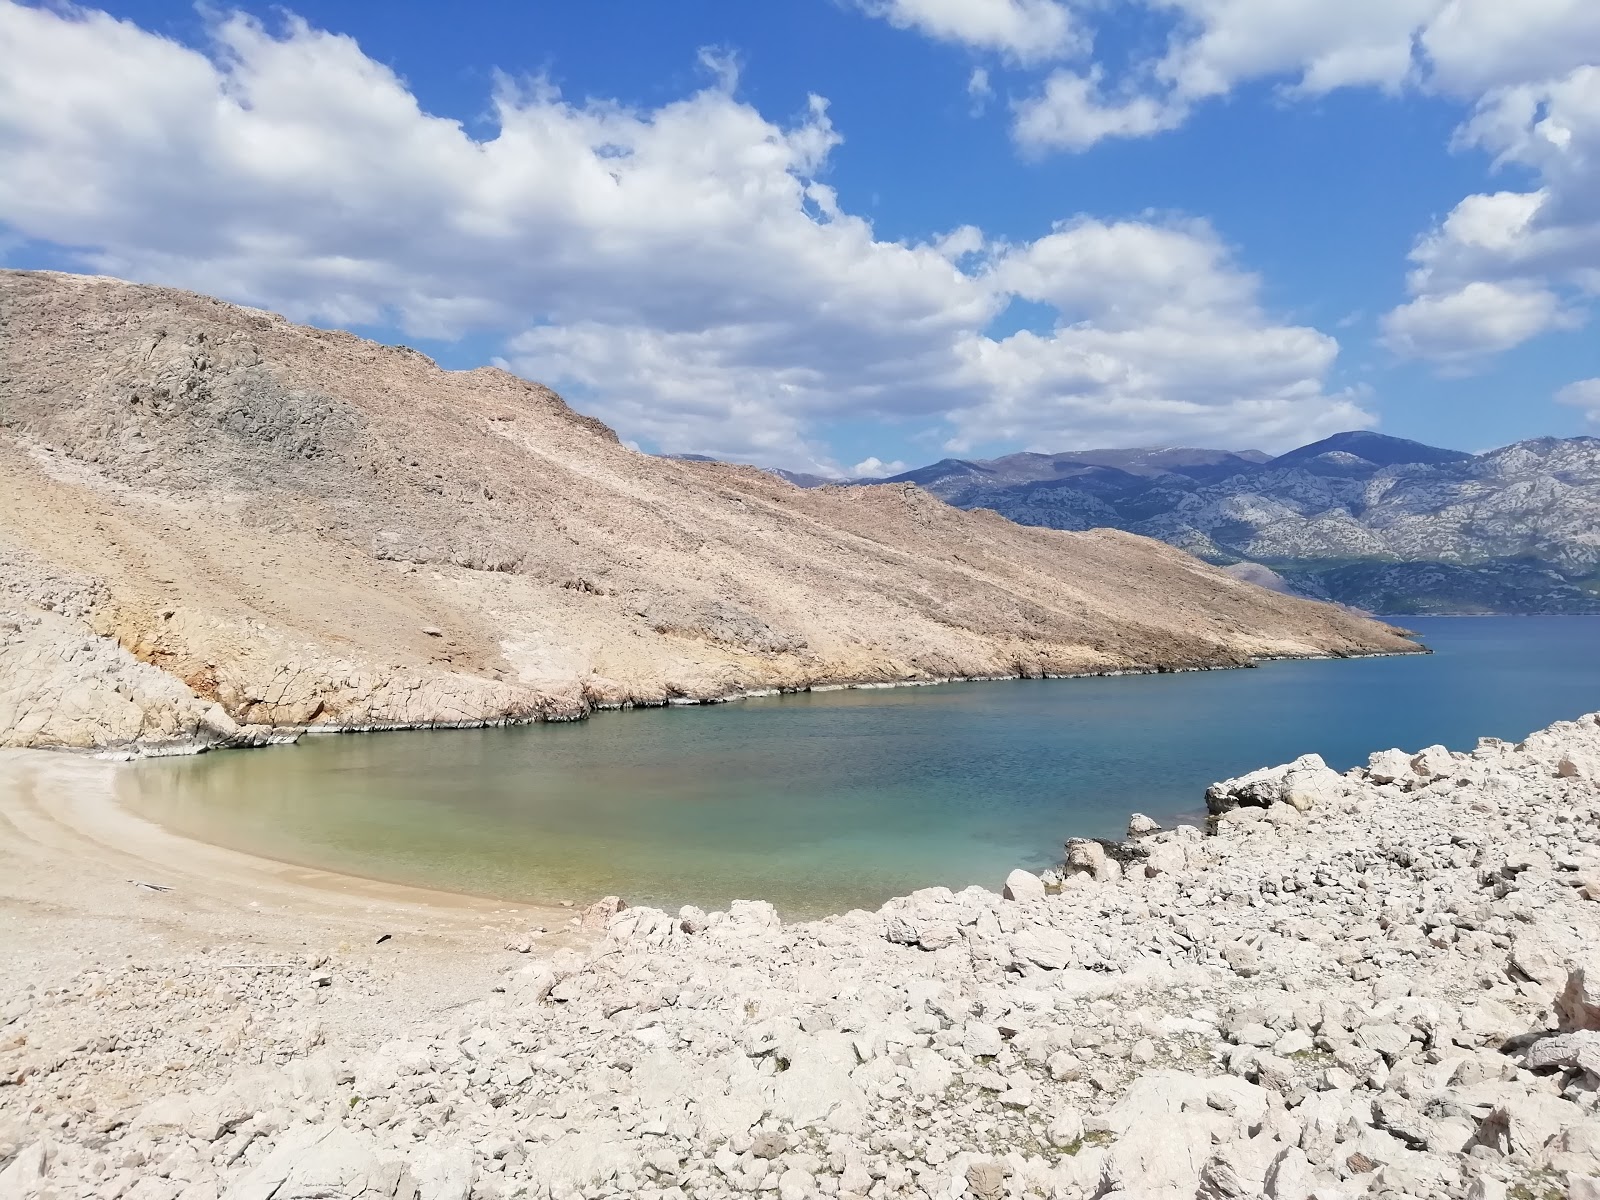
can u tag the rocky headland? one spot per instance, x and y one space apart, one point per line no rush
1379 983
217 528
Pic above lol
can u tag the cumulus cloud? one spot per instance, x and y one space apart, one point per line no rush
1154 322
1473 322
1529 246
1463 48
1026 30
1073 113
683 270
1584 394
875 468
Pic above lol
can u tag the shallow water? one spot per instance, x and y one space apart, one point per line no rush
825 801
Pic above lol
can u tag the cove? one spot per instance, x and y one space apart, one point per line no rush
825 801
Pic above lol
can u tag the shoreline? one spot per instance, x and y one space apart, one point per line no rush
65 809
87 810
1193 816
287 734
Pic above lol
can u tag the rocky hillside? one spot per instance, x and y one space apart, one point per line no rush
1381 984
1381 523
215 524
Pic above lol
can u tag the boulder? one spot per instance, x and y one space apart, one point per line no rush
322 1162
1085 856
1567 1051
1304 784
1434 762
1140 826
1578 1005
598 915
1023 886
25 1174
1390 766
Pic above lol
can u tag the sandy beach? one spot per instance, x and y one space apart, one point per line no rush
84 884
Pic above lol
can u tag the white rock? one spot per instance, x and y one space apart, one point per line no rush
1023 886
980 1040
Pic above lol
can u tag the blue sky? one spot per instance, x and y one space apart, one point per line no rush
828 233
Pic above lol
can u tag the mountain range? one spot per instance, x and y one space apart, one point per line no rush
1364 519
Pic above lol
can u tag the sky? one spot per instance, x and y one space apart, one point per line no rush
847 236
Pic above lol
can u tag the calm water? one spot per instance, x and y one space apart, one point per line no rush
826 801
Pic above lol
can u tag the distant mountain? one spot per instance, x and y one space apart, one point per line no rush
1378 522
1376 449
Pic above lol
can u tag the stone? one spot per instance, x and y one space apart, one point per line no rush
1085 856
981 1040
25 1174
1242 958
1390 766
1141 826
313 1162
1023 886
1066 1127
986 1179
598 915
795 1184
1302 784
1290 1176
1578 1005
1433 762
1579 1050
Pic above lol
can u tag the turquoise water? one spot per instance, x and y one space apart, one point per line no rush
826 801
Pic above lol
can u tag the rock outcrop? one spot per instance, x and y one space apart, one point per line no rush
216 526
1386 990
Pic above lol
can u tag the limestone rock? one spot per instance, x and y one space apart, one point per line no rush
1023 885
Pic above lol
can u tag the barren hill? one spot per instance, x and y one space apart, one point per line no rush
211 517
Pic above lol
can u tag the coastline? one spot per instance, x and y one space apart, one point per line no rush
263 737
64 805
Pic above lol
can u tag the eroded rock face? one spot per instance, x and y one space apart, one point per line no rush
1390 994
313 531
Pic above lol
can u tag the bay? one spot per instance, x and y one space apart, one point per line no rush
829 800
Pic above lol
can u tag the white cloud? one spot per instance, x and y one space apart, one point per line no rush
876 468
1072 113
1584 394
1473 322
1464 48
1156 327
1316 46
979 90
1532 247
1474 46
683 269
1026 30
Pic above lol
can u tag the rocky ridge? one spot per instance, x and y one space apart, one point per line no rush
218 528
1382 983
1372 521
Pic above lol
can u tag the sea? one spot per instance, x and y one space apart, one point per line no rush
826 801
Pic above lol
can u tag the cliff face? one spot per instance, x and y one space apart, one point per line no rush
211 518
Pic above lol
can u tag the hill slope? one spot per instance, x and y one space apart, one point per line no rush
211 517
1368 520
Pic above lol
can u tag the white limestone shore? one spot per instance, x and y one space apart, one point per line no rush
1384 983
